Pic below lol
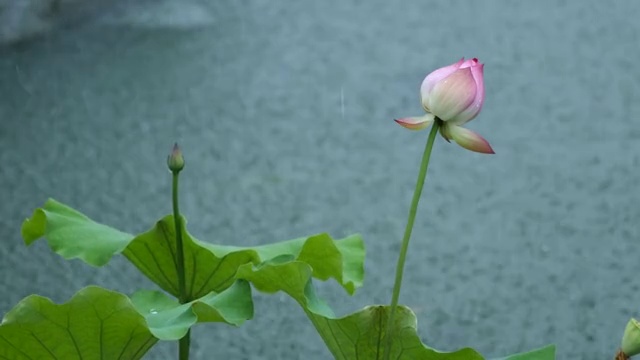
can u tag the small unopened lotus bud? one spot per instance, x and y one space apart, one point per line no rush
631 338
175 161
454 94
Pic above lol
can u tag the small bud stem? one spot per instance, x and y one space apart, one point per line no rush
407 236
185 342
180 249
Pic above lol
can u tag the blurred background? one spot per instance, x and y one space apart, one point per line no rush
284 112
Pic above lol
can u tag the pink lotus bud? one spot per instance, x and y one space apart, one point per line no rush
454 95
175 161
631 338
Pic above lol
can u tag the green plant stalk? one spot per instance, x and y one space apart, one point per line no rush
180 249
183 346
184 343
407 235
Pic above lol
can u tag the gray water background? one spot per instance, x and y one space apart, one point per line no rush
284 111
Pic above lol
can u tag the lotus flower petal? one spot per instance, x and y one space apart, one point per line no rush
416 123
477 70
453 95
469 63
444 132
435 77
469 139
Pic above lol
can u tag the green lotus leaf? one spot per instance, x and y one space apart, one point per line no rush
169 320
208 267
544 353
359 335
94 324
73 235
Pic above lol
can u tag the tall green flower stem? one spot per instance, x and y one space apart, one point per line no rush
176 164
407 235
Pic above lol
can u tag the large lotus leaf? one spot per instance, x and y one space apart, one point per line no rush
94 324
170 320
208 267
73 235
342 260
359 335
545 353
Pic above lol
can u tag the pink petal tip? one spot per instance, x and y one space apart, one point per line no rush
469 140
416 123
